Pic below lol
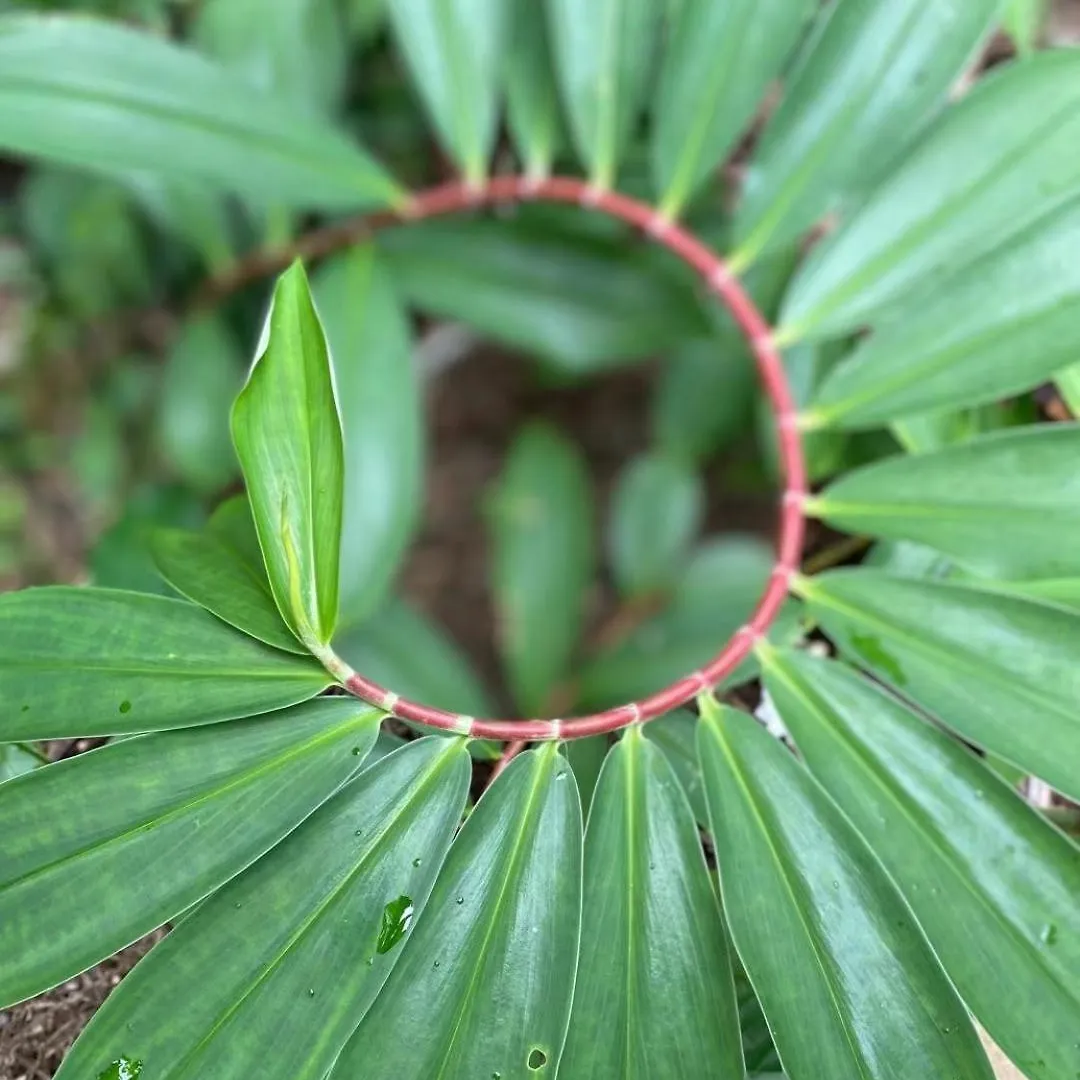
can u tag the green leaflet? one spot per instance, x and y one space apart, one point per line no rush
287 432
123 100
1003 160
656 512
603 59
91 859
308 914
676 735
484 982
16 759
532 99
992 884
540 514
998 327
548 287
849 985
870 76
77 661
378 391
998 669
586 757
1005 504
718 63
454 49
215 576
654 996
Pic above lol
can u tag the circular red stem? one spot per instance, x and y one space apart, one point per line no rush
457 197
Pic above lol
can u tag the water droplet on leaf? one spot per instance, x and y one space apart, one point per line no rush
537 1059
125 706
460 900
123 1068
417 862
311 993
396 919
356 751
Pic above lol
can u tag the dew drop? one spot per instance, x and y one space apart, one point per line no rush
836 884
370 961
238 905
359 832
356 751
537 1059
311 992
125 706
123 1068
496 1075
417 862
436 964
460 900
396 919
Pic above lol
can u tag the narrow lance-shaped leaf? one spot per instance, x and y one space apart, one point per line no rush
77 661
1005 504
1000 670
870 76
310 915
654 995
454 49
124 100
717 65
994 165
541 529
287 433
603 58
992 884
484 983
91 860
532 99
849 985
378 391
1001 326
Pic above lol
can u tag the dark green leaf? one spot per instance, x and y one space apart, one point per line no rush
532 99
654 995
676 735
98 850
1005 504
287 432
870 77
1000 670
542 547
849 985
308 914
123 101
484 982
586 757
382 419
103 662
993 885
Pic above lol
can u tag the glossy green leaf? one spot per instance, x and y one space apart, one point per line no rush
603 59
1005 504
382 419
532 98
308 914
998 669
215 576
759 1052
540 514
719 61
870 77
16 759
292 48
676 735
124 100
484 982
848 983
408 653
581 301
995 167
287 432
587 757
657 509
999 327
454 50
98 850
232 524
993 885
654 995
717 591
79 661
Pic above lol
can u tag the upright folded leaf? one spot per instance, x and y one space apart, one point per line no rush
849 985
484 983
603 58
541 532
870 76
287 432
378 391
1005 504
102 662
992 884
455 51
995 165
123 100
717 65
309 915
654 995
1000 670
98 850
